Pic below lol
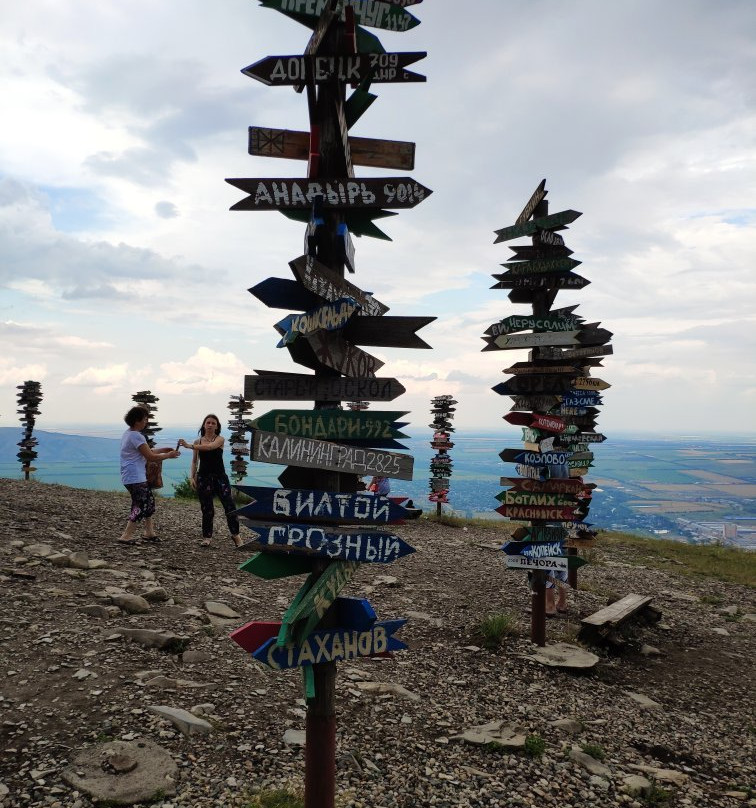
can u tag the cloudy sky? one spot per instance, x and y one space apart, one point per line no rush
122 268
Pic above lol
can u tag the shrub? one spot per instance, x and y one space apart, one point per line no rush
594 750
535 746
277 798
657 796
491 631
184 490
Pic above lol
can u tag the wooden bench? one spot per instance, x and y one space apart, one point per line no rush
605 625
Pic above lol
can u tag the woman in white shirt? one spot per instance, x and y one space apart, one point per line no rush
135 452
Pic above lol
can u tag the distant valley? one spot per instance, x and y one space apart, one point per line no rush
694 489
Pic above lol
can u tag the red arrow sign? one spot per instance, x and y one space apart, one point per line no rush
526 513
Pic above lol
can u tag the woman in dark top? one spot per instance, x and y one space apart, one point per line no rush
208 478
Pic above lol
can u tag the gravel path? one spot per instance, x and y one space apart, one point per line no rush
72 681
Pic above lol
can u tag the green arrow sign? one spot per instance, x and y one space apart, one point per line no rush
332 424
375 14
552 222
315 596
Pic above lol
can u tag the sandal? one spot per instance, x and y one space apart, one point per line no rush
205 543
127 541
153 539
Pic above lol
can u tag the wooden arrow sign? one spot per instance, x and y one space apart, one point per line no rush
577 353
526 252
535 549
252 635
321 506
565 486
349 68
274 386
567 280
387 331
594 336
283 293
548 423
320 280
540 403
527 512
332 424
557 320
545 266
332 645
512 497
376 14
532 472
290 450
578 398
530 385
511 341
585 437
563 563
556 221
533 458
278 193
316 596
535 200
589 383
272 566
540 533
328 317
342 545
352 613
519 418
528 368
397 155
330 349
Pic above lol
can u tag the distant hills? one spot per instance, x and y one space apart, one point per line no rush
56 446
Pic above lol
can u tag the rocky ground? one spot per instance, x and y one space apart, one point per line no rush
88 690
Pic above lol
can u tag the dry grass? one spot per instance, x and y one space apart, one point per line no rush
729 564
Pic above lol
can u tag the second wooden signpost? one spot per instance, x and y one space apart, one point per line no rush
554 401
299 528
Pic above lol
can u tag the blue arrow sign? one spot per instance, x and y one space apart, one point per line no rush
544 549
328 317
320 506
332 645
581 398
363 546
350 613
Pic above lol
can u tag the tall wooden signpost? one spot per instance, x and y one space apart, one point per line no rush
238 439
555 399
144 398
29 400
442 412
299 527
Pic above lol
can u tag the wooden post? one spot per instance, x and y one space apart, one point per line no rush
320 731
554 394
326 109
538 609
336 204
572 571
541 304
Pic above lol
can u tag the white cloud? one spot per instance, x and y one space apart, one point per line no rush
116 128
15 374
109 377
207 371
